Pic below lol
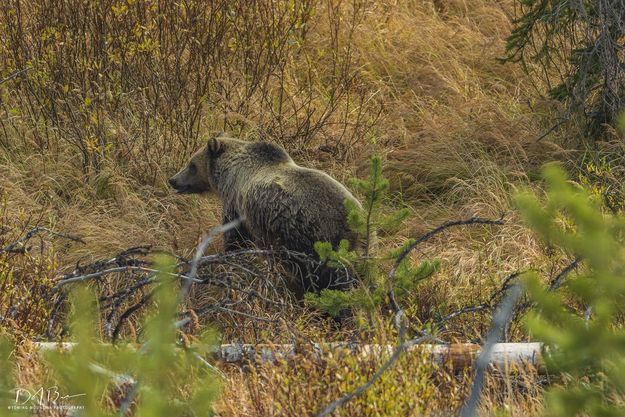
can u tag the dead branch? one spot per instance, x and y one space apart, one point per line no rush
250 292
218 307
557 280
126 291
126 314
500 321
118 299
97 275
233 274
18 245
139 272
458 355
54 313
222 257
200 251
439 229
127 268
123 303
15 74
184 291
554 284
128 257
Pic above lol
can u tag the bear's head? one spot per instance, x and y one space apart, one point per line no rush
196 176
222 155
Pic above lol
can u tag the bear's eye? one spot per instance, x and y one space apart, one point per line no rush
192 169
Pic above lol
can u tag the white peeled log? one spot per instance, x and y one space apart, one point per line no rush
504 354
458 355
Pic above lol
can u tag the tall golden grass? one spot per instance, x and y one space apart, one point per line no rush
118 94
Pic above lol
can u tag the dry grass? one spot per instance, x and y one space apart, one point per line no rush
417 81
304 385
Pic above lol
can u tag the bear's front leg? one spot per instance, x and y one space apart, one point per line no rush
237 237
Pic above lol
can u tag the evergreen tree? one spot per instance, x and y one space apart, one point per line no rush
585 345
370 222
578 48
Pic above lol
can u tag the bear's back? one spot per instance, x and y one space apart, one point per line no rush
295 207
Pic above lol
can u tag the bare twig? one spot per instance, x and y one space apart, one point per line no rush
557 281
250 292
55 311
129 311
119 299
127 268
222 257
127 291
551 129
15 74
500 321
219 307
460 312
439 229
200 251
209 366
554 284
17 246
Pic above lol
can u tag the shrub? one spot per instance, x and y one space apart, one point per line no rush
137 81
26 279
587 346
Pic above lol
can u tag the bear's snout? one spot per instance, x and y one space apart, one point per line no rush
181 186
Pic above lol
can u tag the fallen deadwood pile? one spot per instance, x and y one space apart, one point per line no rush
263 303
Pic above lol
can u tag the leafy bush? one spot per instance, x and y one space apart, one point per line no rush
587 345
301 385
138 80
26 279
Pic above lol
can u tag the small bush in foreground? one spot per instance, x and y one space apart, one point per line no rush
586 347
162 377
26 271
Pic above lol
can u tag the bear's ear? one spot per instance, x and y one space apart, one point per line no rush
215 146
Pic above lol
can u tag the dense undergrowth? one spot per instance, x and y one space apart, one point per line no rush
100 102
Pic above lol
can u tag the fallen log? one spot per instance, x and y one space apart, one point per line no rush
459 355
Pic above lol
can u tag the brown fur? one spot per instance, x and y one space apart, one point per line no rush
282 205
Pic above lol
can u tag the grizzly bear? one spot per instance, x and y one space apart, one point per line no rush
281 205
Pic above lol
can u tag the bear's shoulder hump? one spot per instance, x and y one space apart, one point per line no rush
269 152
